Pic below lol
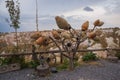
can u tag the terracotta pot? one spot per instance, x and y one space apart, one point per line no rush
55 34
40 41
91 35
101 23
66 35
36 35
97 22
85 26
62 23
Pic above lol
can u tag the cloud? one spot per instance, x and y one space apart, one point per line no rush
111 6
45 22
88 9
75 12
98 11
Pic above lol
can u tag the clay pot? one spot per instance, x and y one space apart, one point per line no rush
62 23
91 35
40 41
101 23
55 34
85 26
97 22
36 35
66 35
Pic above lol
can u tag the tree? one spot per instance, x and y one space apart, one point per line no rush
67 38
14 13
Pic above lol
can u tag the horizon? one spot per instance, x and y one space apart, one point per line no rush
59 29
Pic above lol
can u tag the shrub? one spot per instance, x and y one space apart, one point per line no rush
20 60
118 55
13 59
32 64
64 65
89 57
1 61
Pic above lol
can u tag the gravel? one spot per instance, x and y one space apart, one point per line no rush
108 71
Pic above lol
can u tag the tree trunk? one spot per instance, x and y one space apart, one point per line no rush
71 62
16 40
61 58
34 56
119 41
71 66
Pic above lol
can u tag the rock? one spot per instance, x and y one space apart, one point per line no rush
80 59
28 75
53 70
42 71
4 69
102 54
10 67
15 66
119 61
57 59
112 59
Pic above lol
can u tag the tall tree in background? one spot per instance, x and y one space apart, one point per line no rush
14 13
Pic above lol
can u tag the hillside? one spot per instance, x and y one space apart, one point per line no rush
109 38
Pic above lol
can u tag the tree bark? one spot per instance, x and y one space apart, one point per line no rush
71 63
16 40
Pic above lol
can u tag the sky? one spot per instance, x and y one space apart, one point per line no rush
76 12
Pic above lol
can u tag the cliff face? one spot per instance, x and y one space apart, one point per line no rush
109 38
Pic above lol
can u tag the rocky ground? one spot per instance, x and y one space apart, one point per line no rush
106 71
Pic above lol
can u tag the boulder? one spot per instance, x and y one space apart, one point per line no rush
112 59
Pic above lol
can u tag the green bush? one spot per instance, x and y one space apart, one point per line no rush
118 55
64 65
20 60
13 59
89 57
32 64
1 61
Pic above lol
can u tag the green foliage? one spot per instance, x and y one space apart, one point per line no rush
20 60
118 54
14 13
89 57
13 59
64 65
76 61
32 64
76 64
1 60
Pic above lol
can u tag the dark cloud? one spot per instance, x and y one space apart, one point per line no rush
88 9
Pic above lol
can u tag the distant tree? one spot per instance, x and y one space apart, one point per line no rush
14 13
